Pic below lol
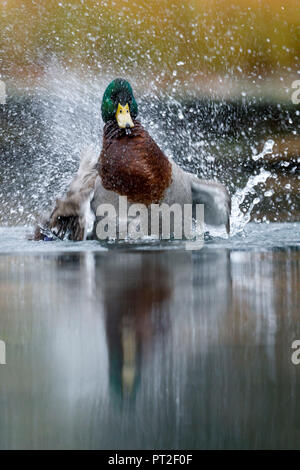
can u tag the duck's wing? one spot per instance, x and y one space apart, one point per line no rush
71 214
216 200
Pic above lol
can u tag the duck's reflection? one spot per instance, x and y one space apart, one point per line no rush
135 299
140 297
199 343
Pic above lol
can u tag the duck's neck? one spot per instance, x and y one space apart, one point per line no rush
112 131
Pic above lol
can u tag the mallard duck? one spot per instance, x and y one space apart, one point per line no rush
130 164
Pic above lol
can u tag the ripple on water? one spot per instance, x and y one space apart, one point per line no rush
255 236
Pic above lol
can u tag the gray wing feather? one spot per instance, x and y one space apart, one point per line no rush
71 214
216 200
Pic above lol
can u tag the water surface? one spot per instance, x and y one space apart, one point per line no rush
148 347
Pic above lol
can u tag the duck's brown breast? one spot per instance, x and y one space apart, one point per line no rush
133 165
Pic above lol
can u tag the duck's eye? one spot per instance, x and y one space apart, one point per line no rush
120 111
127 111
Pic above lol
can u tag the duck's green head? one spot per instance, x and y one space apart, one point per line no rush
118 103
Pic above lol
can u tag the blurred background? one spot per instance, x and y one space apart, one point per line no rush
213 79
194 45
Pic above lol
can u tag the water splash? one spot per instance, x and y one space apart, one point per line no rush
267 149
240 219
67 107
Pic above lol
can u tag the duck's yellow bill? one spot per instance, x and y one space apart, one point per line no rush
123 116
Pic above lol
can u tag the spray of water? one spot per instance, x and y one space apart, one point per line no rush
267 149
239 219
69 113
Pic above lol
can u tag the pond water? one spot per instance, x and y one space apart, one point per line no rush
151 346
